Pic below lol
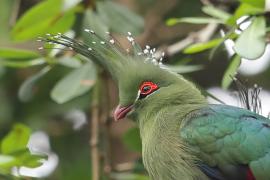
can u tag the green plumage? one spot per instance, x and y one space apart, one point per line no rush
182 136
226 136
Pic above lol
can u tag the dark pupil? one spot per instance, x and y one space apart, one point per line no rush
146 88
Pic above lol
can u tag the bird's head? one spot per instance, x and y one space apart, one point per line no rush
144 86
144 82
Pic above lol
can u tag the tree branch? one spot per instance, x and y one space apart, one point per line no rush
105 123
94 130
202 35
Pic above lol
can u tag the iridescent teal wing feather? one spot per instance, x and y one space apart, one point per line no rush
229 137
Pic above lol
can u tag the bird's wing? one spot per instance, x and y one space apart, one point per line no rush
229 137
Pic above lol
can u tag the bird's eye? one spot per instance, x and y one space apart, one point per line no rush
147 88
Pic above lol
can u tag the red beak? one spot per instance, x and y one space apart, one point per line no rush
121 112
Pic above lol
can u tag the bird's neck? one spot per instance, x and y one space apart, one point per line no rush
165 155
166 112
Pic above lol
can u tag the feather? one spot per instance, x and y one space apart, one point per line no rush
250 175
212 172
105 51
177 126
101 50
249 97
234 139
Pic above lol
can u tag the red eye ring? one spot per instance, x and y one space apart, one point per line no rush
148 87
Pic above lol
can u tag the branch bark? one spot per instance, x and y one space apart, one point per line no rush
202 35
99 128
105 125
94 130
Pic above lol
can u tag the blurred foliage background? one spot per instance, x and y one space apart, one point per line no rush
56 108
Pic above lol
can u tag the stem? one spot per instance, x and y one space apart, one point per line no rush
105 123
99 128
94 130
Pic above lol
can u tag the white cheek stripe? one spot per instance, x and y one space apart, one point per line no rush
138 95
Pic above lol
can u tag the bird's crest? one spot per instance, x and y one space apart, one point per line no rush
105 51
249 97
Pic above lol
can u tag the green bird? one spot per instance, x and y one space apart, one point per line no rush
183 137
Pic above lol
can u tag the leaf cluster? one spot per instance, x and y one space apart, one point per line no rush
246 27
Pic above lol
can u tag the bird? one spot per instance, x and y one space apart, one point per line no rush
183 137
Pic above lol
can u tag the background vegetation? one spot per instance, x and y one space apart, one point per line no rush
56 109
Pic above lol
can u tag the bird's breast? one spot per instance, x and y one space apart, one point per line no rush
166 157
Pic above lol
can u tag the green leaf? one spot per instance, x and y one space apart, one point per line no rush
72 62
94 21
229 35
244 10
39 12
217 13
230 71
12 53
6 9
78 82
251 43
46 17
192 20
31 32
22 64
16 139
255 3
37 18
119 18
26 90
183 68
63 23
20 158
6 163
132 139
6 160
199 47
14 151
25 158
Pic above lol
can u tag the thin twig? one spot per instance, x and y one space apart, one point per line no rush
202 35
179 46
